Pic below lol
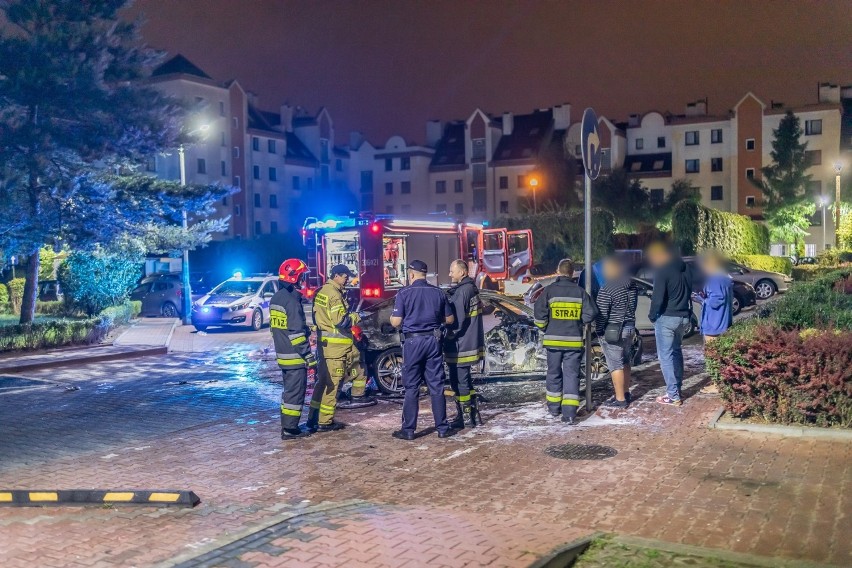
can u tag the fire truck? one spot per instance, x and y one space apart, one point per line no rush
378 248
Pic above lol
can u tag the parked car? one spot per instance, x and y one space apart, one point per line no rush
161 295
804 260
512 342
744 296
766 284
49 291
237 301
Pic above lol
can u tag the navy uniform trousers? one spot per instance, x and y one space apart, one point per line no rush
422 359
563 381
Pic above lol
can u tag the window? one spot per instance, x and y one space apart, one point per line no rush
389 188
255 143
236 152
440 186
693 166
224 167
478 148
716 136
441 208
640 143
235 122
814 157
750 201
658 164
657 196
750 173
273 174
479 174
716 193
237 181
504 207
636 166
338 165
237 211
257 200
750 144
459 208
273 227
257 228
813 127
504 182
405 187
296 182
225 201
270 146
255 172
661 141
692 138
522 181
224 143
221 108
388 164
715 164
405 163
273 201
458 186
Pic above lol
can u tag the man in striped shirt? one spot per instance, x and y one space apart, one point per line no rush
615 323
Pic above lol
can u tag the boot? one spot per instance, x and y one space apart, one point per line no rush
313 420
457 423
356 402
475 416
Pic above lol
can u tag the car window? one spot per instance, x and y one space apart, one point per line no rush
141 289
237 288
160 286
268 288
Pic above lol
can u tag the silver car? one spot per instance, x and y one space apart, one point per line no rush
766 284
240 302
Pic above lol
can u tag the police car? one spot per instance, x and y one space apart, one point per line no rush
237 301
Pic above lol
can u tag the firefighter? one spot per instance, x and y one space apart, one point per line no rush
464 345
291 335
340 358
562 311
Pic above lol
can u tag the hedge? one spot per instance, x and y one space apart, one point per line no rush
16 293
820 303
808 272
61 332
5 306
780 264
696 228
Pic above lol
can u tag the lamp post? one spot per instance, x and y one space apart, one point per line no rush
838 167
823 201
184 270
534 185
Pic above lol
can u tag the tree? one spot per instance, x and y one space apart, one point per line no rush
625 197
72 108
787 204
682 190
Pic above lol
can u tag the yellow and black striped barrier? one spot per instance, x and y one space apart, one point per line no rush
48 498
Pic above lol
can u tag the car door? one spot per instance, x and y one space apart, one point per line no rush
494 253
520 252
643 305
266 294
142 293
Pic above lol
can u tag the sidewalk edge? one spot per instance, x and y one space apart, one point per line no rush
148 351
780 430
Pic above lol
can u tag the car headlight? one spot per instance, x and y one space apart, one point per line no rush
239 307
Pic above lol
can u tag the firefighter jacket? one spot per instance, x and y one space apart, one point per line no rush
290 331
465 342
562 309
334 321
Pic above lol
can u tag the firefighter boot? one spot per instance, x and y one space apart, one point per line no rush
475 416
458 422
313 419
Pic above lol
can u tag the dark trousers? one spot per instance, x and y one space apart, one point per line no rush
461 381
563 381
422 359
293 396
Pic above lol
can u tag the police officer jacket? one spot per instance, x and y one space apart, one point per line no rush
465 344
334 321
290 331
561 311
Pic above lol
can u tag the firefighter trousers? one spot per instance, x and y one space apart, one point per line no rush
461 381
293 396
563 381
331 371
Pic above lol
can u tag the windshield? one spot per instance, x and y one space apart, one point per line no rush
237 288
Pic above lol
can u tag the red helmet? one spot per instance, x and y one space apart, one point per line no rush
291 270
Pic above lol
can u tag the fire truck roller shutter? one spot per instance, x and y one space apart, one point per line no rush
438 250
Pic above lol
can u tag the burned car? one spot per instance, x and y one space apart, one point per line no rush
512 343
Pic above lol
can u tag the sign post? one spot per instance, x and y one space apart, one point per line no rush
591 150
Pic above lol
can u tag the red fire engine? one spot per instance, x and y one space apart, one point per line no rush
378 248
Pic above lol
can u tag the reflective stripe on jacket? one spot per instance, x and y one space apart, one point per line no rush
465 346
289 329
333 321
561 311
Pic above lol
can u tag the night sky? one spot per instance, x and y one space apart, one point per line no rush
386 67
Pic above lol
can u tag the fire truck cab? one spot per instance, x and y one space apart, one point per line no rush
378 248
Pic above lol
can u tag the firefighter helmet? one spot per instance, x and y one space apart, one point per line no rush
291 270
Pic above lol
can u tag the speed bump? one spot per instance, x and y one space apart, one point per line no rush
46 497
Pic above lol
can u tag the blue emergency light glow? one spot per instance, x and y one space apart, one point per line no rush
205 309
332 223
238 275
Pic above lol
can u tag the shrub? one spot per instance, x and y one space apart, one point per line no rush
807 272
780 264
16 293
57 308
791 377
834 257
92 282
5 306
696 228
819 303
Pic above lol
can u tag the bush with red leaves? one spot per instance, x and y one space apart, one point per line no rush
788 377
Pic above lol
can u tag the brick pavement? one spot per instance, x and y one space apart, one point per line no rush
486 497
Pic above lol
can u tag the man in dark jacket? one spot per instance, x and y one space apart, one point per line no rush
464 345
562 311
671 308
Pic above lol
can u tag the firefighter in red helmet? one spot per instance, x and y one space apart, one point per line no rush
291 336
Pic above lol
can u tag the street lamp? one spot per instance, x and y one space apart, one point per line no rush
184 271
838 167
534 185
823 201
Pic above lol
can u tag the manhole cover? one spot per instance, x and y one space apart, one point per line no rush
581 452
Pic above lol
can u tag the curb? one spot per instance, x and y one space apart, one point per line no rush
171 333
565 555
85 360
76 497
780 430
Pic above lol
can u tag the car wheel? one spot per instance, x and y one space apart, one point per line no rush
693 326
169 310
256 320
737 304
599 368
765 289
387 368
199 327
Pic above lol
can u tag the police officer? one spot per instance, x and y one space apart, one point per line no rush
339 357
290 334
464 346
562 310
421 309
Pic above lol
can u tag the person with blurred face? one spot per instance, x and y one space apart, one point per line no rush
718 306
615 323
